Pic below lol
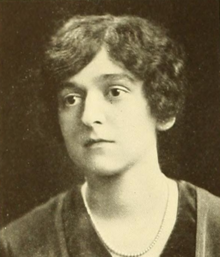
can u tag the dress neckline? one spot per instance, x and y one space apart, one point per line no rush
82 240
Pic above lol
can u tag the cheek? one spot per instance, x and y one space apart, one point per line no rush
135 125
64 123
68 125
71 136
134 114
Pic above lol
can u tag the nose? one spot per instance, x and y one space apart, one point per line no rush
93 111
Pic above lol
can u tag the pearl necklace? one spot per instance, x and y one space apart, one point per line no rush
109 248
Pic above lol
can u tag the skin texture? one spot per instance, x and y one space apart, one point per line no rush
104 101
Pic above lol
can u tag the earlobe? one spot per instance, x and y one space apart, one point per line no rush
165 125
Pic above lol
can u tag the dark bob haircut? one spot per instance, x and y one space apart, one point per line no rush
133 43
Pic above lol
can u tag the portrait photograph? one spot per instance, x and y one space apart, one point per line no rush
109 128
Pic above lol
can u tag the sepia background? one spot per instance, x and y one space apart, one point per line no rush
34 168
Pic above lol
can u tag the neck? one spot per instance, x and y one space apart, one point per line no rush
137 192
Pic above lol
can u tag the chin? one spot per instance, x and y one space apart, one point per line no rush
102 169
102 165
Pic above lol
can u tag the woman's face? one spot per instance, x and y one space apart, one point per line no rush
105 119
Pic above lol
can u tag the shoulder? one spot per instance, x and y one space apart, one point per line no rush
208 221
26 235
208 207
205 200
210 199
208 224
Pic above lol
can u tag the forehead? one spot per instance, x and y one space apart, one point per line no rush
100 69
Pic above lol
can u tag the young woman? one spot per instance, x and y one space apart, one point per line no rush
111 84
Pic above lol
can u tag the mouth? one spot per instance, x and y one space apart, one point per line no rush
92 142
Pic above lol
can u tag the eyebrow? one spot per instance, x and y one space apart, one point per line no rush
105 77
70 85
117 77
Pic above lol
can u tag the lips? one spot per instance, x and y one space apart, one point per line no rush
91 142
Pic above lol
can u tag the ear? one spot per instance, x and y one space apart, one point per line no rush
165 125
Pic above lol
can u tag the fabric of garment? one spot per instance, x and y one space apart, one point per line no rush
62 228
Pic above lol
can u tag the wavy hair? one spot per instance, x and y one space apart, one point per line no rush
133 43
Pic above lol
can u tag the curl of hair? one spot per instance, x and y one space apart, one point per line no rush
133 43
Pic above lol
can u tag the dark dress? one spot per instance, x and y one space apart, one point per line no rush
181 242
62 228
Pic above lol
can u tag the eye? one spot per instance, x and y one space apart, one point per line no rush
72 99
116 92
